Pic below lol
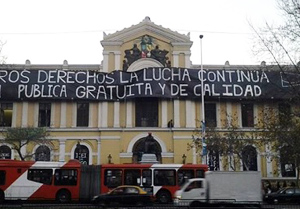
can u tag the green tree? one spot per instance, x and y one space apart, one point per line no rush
20 137
229 141
281 132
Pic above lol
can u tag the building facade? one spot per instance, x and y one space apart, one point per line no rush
121 129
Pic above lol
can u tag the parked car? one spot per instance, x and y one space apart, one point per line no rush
124 195
285 195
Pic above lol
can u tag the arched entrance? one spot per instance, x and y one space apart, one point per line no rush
42 153
82 153
146 145
249 156
5 152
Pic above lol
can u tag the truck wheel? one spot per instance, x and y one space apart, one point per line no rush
164 197
63 196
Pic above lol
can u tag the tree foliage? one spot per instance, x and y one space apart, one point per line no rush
280 131
280 42
20 137
229 141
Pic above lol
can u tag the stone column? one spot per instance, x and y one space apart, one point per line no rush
62 148
63 115
129 114
25 114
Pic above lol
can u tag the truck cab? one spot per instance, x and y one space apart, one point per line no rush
193 189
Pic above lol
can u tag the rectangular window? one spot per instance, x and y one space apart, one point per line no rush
247 115
184 175
146 112
200 173
210 115
284 110
6 110
82 114
113 178
44 114
43 176
66 177
164 177
132 177
2 177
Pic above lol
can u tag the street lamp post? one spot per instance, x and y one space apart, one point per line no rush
204 151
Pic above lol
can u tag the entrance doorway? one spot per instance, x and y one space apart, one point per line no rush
146 145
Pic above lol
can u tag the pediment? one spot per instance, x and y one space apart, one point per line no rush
144 27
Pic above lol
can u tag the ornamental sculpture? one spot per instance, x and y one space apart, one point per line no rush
146 50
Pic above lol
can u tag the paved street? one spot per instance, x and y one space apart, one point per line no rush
89 206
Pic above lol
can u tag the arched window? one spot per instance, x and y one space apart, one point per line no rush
5 152
82 154
287 163
42 153
249 158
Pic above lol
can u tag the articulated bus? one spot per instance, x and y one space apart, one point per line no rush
73 181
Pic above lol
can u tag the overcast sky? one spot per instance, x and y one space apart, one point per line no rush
51 31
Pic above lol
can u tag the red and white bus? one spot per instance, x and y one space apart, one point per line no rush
30 180
73 181
160 180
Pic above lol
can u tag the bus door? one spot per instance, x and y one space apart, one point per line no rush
147 181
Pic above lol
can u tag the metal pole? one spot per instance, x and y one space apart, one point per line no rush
204 151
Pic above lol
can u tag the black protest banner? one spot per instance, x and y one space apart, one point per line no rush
177 83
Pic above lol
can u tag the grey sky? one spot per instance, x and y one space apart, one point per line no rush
50 31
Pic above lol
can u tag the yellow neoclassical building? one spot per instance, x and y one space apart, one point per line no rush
145 88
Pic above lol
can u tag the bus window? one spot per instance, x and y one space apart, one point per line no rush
2 177
65 177
43 176
147 177
113 178
184 175
164 177
132 177
200 174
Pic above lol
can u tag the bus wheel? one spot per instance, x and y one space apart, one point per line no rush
2 196
163 197
63 196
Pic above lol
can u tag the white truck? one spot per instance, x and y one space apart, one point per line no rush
222 189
